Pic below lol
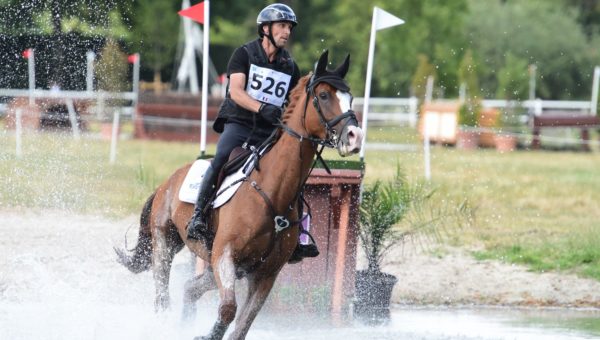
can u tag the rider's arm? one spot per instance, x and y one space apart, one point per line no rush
237 82
237 70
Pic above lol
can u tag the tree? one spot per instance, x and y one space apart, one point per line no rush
111 68
467 74
433 28
588 15
156 32
62 30
419 80
560 50
111 71
513 79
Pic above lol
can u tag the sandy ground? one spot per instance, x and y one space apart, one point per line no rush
456 278
452 279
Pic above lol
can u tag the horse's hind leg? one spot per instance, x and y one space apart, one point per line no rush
194 289
166 243
258 291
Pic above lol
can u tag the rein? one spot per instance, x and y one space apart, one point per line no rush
331 141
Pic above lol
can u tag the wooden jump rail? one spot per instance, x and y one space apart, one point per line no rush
559 119
172 122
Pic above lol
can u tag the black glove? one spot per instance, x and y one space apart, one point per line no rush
270 113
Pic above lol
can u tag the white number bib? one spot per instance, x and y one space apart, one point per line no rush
268 86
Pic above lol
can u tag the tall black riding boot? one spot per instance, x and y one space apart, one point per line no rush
198 227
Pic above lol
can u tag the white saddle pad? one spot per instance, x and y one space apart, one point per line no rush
191 184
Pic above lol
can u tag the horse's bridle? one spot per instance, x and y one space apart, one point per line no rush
331 138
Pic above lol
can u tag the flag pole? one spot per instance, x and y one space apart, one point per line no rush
205 62
31 71
365 112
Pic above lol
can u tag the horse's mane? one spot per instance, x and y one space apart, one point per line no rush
295 96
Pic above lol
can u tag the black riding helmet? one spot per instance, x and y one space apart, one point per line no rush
274 13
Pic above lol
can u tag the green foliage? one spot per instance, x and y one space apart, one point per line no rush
562 52
383 205
111 68
156 31
565 51
513 79
393 211
44 17
468 113
509 119
397 48
467 74
419 80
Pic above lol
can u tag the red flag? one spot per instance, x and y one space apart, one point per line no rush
132 58
195 12
27 53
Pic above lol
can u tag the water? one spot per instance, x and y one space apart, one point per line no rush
59 280
121 308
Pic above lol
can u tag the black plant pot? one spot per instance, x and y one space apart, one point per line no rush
373 294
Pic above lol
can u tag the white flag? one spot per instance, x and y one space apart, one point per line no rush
385 19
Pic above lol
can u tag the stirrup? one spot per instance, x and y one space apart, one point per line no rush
199 231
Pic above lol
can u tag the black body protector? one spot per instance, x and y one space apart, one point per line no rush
266 82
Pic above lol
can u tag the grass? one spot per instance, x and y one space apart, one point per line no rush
57 172
538 208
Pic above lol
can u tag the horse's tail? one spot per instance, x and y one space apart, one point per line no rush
141 259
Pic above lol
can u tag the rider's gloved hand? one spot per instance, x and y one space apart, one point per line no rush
270 113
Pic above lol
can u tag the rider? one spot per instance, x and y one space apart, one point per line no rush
261 74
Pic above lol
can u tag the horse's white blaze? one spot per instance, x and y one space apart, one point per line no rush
354 133
345 100
226 268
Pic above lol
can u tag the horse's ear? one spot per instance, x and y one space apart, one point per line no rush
322 64
343 69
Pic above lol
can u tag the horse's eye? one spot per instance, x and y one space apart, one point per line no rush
323 95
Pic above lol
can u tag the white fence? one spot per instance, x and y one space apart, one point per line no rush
538 106
99 97
68 97
405 111
398 110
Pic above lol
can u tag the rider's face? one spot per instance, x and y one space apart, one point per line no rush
281 33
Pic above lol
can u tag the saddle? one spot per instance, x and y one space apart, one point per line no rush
237 158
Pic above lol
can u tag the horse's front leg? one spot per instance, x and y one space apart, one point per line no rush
258 291
161 268
224 273
194 289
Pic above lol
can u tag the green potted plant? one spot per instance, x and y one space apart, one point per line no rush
467 136
383 205
507 125
513 79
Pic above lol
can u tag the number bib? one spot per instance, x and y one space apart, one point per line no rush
267 85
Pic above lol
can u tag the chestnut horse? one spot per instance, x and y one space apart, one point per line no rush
246 242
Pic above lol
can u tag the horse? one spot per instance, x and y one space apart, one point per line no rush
247 243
